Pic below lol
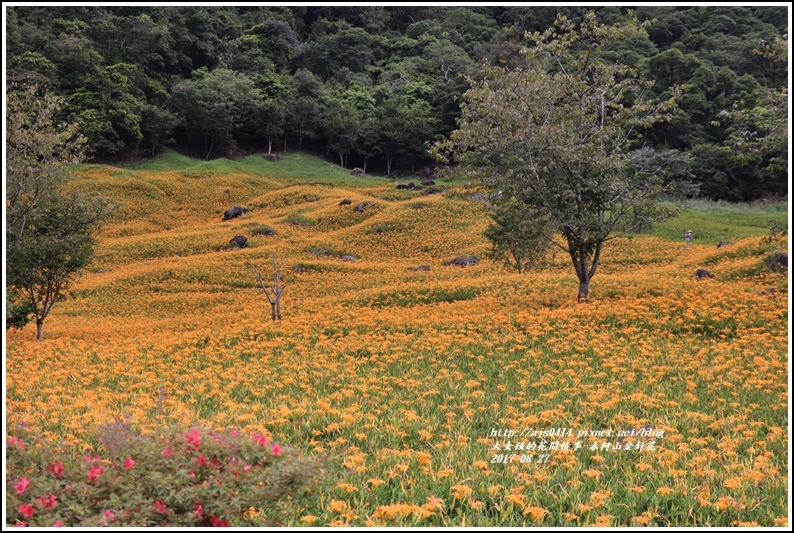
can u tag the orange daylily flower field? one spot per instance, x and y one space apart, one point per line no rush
403 378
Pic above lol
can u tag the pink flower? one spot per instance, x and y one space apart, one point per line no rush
193 438
91 458
109 514
260 439
22 485
217 522
160 507
56 469
191 474
49 501
199 509
13 441
21 524
167 452
95 472
58 523
129 463
201 461
26 510
276 450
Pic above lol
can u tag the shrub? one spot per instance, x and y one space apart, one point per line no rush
263 230
299 220
382 227
176 478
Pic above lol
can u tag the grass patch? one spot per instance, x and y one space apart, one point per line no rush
299 220
712 222
419 297
262 230
382 227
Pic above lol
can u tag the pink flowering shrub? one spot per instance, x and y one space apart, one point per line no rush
180 478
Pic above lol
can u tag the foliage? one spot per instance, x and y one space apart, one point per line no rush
778 230
213 107
560 137
48 227
123 71
18 311
174 478
514 239
760 135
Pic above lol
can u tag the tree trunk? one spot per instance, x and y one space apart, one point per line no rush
388 164
285 144
39 329
269 145
584 290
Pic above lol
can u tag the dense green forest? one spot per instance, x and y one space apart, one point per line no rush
371 86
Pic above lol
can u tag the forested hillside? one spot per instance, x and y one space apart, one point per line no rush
370 86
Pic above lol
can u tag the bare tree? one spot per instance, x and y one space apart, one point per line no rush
276 289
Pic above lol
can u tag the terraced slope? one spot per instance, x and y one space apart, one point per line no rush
401 376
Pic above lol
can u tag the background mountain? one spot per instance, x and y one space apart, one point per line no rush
371 86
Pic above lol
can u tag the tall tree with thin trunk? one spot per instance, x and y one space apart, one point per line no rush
561 136
49 226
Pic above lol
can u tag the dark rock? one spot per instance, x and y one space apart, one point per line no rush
779 260
360 208
349 258
410 185
234 212
272 157
358 172
722 244
401 186
464 260
422 268
346 201
431 190
702 273
240 241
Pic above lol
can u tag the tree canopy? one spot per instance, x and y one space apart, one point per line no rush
562 137
139 78
48 226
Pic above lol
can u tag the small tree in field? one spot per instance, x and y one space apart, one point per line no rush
276 289
48 227
560 136
514 239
